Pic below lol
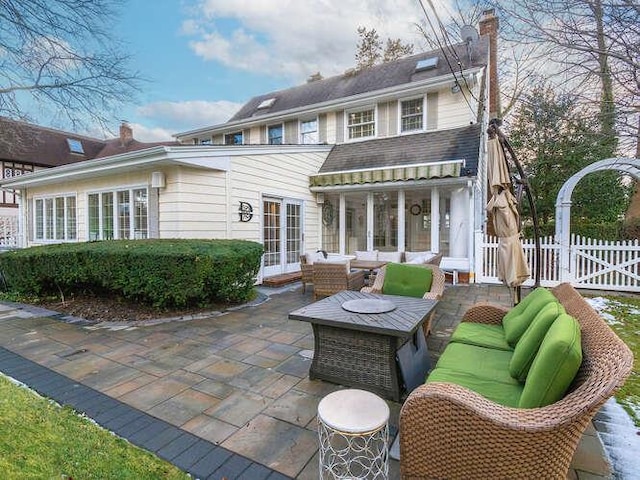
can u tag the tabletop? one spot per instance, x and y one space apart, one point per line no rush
403 321
367 264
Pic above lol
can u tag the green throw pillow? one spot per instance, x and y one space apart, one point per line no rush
406 280
555 365
529 343
516 321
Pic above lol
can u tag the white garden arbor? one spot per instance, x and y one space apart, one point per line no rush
568 272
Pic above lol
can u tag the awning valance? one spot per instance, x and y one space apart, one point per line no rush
388 174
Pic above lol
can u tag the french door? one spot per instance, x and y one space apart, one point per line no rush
281 235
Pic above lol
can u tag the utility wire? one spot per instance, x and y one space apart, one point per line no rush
444 51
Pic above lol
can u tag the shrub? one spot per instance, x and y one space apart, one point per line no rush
597 230
162 273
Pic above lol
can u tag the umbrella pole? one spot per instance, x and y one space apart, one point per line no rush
494 124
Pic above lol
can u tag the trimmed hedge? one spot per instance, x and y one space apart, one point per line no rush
162 273
600 230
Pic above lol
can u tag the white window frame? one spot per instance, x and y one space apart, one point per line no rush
133 232
302 134
224 137
347 127
424 115
68 235
274 125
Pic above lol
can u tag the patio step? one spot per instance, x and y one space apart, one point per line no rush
282 279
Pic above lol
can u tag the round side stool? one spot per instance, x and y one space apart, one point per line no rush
354 435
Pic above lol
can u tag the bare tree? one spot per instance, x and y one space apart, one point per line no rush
58 58
591 47
369 51
441 29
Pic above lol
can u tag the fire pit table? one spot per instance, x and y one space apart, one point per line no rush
369 341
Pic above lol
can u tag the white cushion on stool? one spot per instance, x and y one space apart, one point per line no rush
353 411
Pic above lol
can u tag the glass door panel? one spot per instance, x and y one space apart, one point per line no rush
355 222
271 233
418 221
385 221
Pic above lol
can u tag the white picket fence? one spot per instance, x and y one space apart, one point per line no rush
592 264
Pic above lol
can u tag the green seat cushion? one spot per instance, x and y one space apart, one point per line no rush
482 362
528 345
516 321
481 334
406 280
555 365
507 394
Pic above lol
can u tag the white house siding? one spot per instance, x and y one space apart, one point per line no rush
453 110
278 176
255 135
193 204
330 125
81 189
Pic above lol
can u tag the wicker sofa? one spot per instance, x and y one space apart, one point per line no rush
449 431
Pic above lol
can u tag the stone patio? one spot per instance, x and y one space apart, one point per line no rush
233 385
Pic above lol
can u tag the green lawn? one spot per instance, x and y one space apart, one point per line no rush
41 440
623 315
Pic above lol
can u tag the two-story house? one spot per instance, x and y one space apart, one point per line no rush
387 158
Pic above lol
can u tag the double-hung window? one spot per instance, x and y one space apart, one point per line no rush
275 134
55 218
412 115
361 124
309 132
119 214
234 138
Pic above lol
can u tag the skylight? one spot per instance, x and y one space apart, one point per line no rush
267 103
427 64
75 146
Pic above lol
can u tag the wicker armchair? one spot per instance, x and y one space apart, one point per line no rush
436 291
330 278
306 269
448 431
435 260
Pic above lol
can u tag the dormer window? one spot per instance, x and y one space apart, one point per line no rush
75 146
361 123
267 103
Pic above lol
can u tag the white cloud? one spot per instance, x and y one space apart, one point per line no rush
180 116
293 39
143 133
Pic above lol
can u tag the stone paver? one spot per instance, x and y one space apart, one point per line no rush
219 395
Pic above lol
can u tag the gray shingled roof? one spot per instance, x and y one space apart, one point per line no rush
438 146
375 78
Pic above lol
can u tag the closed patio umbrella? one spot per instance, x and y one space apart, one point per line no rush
512 264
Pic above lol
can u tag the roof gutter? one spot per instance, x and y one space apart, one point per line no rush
330 104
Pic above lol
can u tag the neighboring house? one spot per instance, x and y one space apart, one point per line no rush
388 158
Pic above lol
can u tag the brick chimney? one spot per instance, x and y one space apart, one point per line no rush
489 26
126 133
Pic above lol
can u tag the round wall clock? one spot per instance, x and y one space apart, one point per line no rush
415 209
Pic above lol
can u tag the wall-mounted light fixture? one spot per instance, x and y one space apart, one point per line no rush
158 180
319 198
455 88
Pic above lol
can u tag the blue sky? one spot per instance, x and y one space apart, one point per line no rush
204 58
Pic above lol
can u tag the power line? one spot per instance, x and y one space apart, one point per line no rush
451 50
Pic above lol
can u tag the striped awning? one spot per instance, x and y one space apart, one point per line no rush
388 174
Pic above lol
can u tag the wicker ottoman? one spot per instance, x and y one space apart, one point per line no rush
354 435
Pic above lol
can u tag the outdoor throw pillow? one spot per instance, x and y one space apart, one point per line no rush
516 321
367 255
555 365
406 280
529 343
390 256
417 257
